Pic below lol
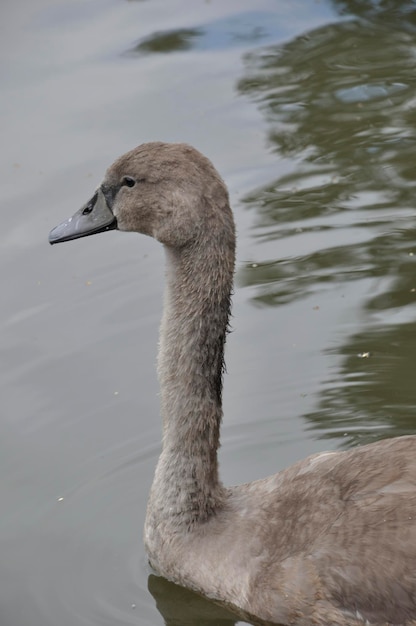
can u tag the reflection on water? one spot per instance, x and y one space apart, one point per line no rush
170 41
340 104
401 13
245 28
181 606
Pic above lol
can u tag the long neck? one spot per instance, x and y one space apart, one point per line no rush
190 366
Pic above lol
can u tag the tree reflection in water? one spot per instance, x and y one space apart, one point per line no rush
340 106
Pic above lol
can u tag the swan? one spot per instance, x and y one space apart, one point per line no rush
330 540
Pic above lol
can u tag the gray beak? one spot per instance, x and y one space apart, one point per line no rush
94 217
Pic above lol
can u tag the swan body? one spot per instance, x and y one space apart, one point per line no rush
329 541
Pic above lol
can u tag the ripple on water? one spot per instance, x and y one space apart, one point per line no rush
94 569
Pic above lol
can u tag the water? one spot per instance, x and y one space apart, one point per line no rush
308 111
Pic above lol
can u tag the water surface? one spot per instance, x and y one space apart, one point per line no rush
308 111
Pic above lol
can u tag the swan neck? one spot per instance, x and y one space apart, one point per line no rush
190 368
191 348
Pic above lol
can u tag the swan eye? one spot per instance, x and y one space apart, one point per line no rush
128 181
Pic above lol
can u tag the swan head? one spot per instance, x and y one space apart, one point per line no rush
168 191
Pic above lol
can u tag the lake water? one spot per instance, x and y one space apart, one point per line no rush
308 110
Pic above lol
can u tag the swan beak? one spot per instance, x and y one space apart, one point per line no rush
94 217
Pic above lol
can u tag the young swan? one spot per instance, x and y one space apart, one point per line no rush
330 540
